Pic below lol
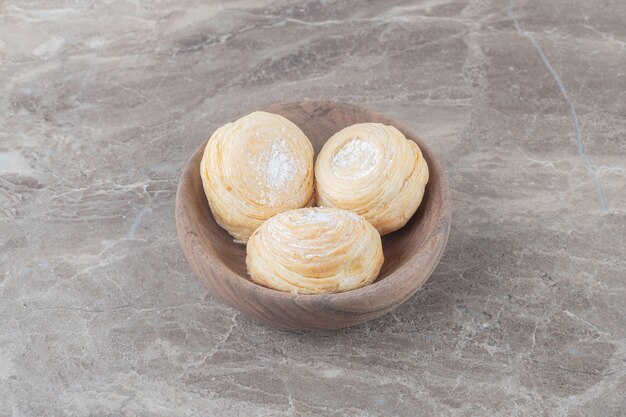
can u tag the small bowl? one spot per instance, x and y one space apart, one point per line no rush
411 253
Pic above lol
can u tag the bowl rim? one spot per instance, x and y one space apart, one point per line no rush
443 218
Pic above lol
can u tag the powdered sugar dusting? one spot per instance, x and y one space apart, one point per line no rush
320 215
355 159
315 216
276 168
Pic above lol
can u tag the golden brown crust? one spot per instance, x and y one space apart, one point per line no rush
315 251
254 168
374 171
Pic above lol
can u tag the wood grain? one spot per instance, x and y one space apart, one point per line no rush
411 253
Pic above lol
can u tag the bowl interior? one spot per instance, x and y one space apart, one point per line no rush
319 121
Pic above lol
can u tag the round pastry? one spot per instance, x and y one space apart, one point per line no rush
315 250
254 168
373 170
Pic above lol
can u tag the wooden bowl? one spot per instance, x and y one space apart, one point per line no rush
411 253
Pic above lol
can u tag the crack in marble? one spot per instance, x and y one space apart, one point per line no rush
222 341
287 385
577 317
581 371
132 232
579 135
122 307
383 19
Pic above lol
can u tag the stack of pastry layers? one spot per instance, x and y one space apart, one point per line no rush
261 182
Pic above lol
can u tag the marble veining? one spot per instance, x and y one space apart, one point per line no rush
103 102
579 135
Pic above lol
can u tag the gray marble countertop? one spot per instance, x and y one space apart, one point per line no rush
102 103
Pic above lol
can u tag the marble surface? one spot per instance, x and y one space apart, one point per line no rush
103 102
